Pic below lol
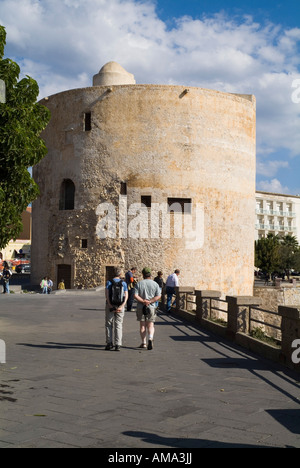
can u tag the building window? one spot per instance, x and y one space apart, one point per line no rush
67 195
87 122
146 200
123 188
84 243
180 205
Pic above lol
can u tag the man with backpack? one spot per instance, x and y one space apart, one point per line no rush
116 294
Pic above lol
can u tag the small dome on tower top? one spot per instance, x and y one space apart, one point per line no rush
112 67
113 74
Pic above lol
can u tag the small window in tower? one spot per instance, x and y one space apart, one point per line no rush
123 189
88 121
67 195
146 200
180 205
84 243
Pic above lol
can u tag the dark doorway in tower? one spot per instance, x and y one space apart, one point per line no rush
64 273
109 273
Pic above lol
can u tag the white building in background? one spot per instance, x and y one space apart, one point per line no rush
277 214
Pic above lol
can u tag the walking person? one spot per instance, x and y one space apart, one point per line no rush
50 285
171 284
159 280
131 282
6 275
116 294
44 285
147 293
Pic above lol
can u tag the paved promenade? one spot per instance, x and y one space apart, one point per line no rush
60 388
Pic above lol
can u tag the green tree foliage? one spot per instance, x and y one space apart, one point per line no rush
275 253
267 253
288 253
21 121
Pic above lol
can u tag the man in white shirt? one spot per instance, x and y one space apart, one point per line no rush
171 284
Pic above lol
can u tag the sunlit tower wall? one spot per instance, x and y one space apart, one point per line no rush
118 144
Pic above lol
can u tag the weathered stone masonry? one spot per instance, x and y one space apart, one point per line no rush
153 141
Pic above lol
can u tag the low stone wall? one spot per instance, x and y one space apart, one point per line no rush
285 319
271 298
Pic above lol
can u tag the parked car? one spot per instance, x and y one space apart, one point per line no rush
23 268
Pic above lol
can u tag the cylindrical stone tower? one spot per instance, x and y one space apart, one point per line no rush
147 175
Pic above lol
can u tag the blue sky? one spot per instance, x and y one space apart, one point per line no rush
286 13
250 47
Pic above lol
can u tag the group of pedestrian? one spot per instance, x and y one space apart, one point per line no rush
5 276
46 285
146 293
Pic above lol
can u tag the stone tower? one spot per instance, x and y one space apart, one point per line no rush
147 175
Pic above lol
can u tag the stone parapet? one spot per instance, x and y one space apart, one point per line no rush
238 313
203 303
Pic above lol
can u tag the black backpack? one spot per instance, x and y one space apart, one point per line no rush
117 293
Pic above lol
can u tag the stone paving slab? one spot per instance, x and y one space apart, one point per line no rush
59 388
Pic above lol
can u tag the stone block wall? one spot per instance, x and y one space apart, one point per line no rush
271 298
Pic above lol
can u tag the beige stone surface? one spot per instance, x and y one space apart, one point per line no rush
272 298
162 141
113 74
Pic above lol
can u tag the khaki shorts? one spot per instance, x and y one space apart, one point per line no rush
141 317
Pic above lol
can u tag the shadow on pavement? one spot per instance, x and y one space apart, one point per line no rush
186 443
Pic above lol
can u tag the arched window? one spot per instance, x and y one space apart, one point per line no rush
67 195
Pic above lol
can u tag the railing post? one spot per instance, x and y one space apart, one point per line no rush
181 296
178 304
238 313
290 328
203 303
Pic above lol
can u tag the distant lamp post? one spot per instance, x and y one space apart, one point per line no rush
2 92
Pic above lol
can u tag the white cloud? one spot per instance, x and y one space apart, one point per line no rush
273 186
63 43
270 168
